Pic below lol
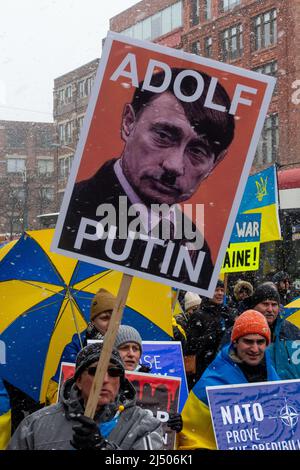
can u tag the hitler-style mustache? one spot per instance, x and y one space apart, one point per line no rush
164 177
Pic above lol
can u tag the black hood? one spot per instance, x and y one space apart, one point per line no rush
73 404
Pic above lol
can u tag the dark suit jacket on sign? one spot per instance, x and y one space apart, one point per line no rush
104 187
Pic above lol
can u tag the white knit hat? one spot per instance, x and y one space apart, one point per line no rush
191 300
127 334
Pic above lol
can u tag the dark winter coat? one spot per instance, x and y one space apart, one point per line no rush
51 427
206 328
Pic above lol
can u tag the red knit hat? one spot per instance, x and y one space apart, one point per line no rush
249 323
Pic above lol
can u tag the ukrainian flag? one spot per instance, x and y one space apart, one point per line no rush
261 196
5 417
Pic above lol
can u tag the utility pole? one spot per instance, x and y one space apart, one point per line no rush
25 211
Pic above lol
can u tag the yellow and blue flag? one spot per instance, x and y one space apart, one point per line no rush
261 197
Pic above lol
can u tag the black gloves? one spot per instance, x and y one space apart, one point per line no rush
175 422
87 435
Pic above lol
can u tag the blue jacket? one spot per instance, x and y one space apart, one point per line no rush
70 352
224 371
197 431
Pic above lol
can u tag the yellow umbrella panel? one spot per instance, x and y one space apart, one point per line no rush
45 299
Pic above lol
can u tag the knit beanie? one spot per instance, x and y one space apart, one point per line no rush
90 354
128 334
280 276
250 322
264 292
220 284
102 302
191 300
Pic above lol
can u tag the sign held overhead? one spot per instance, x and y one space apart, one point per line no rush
147 194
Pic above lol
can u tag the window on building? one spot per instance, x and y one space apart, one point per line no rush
81 89
267 150
232 43
68 132
68 93
194 12
47 194
61 133
229 4
166 20
45 167
16 137
61 96
158 24
195 49
17 194
265 29
208 46
64 166
176 15
16 165
156 29
268 69
44 138
207 10
146 28
89 85
80 122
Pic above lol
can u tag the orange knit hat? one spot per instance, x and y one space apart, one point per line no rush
249 323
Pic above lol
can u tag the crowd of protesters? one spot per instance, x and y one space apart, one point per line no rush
225 340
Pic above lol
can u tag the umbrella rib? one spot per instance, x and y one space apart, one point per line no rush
41 287
33 309
95 280
62 311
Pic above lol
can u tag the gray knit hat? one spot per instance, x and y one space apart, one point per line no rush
128 334
91 353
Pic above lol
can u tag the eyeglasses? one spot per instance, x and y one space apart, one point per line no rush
112 371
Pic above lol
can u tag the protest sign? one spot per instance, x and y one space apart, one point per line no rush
158 394
246 228
67 370
241 257
258 416
139 200
166 358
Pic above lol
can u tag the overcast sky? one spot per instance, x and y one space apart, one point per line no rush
41 40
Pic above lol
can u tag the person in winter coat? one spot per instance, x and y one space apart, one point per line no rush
118 424
282 283
101 310
206 328
241 291
192 303
129 345
284 335
244 360
128 342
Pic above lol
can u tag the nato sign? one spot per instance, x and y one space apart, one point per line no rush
260 416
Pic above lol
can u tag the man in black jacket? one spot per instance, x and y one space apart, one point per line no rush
206 328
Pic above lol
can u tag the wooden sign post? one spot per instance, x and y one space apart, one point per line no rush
108 343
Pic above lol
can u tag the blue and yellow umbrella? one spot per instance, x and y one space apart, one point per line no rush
45 299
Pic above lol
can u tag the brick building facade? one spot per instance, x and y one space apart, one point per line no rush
70 99
27 175
257 35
